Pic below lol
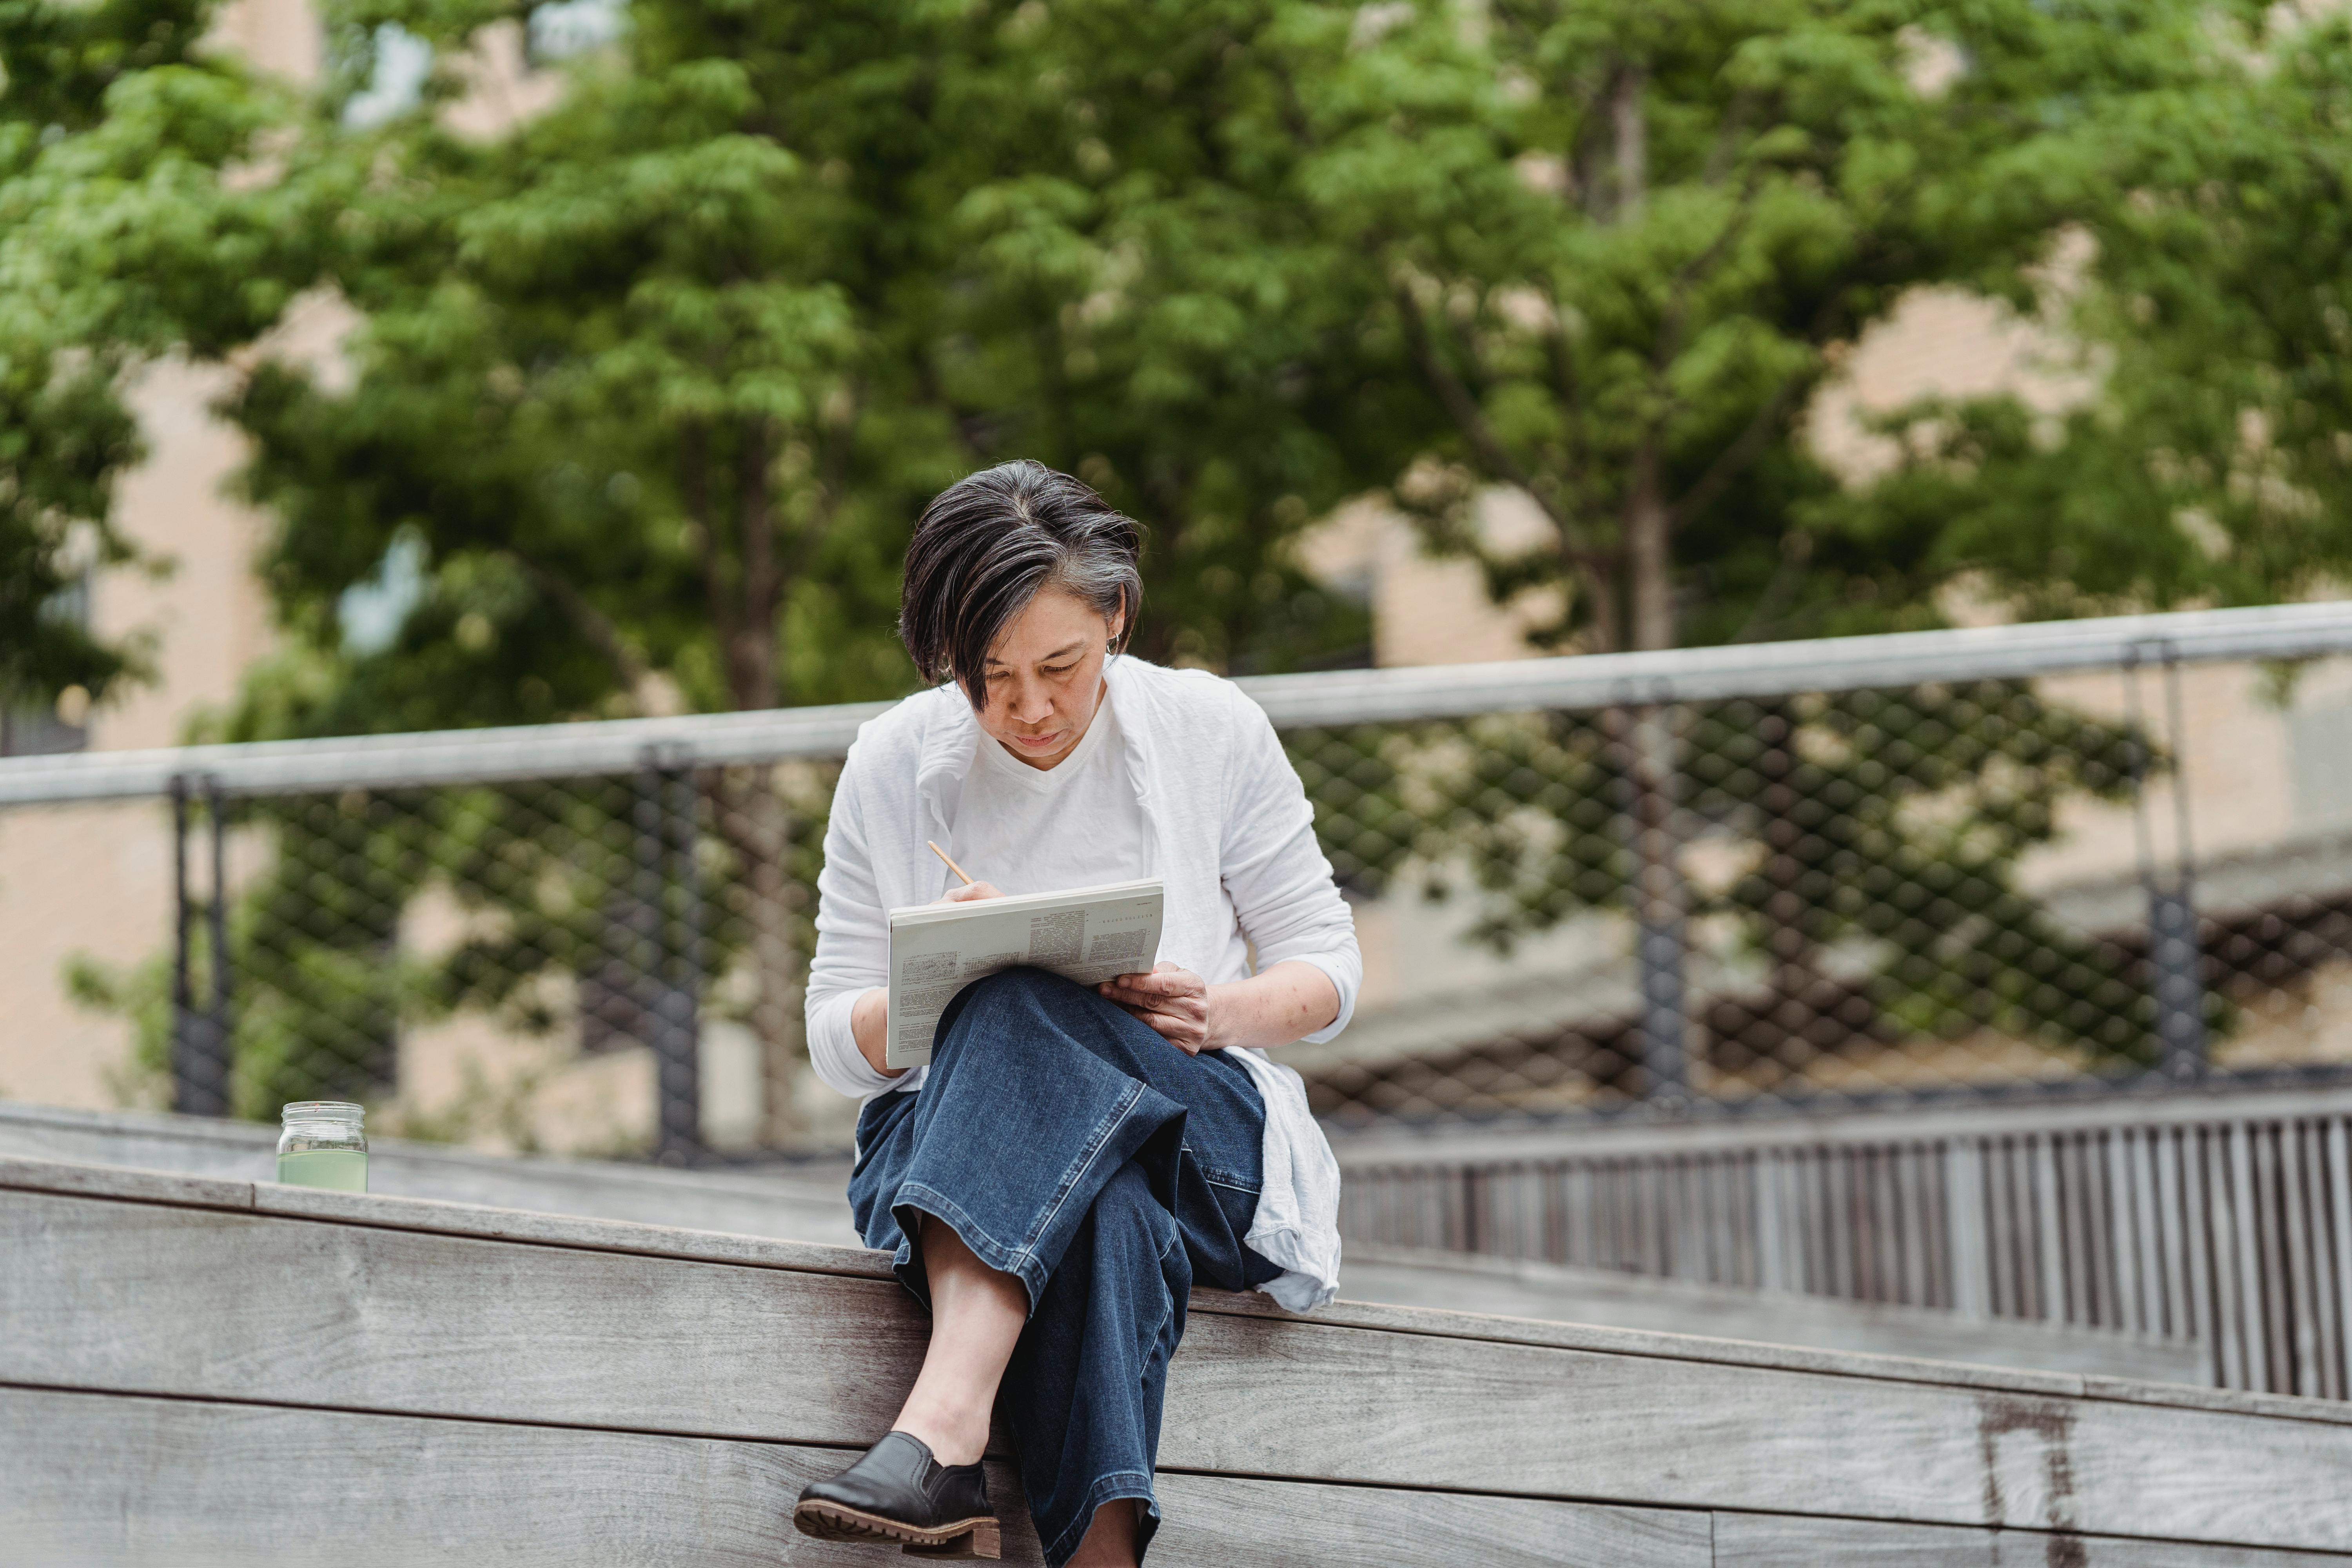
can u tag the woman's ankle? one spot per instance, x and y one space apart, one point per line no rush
952 1441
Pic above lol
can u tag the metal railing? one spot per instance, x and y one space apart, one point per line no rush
2225 1220
1845 872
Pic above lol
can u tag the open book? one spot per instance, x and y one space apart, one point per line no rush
1088 934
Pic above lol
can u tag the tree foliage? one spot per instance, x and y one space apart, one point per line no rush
1623 245
2213 461
123 238
645 389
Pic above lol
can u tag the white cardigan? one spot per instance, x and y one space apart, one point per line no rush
1232 838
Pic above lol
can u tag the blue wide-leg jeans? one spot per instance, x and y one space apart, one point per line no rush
1067 1144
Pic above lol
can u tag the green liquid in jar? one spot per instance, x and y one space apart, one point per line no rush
338 1170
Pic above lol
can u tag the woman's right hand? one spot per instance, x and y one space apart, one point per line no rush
869 1018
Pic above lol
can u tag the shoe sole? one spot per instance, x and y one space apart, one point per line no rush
977 1537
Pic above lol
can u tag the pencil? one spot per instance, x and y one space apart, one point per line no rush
950 860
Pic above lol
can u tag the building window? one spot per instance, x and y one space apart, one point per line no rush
44 728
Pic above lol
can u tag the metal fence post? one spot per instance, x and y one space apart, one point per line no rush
217 1004
2175 957
199 1039
663 1006
1651 773
681 1066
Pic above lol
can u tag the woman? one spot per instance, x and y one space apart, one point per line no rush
1072 1160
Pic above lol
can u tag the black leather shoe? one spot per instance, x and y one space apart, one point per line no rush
899 1492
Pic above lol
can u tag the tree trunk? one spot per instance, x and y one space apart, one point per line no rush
751 812
1631 135
778 965
1652 774
1649 555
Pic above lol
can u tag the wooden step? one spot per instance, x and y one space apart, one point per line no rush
1462 1281
809 1206
199 1371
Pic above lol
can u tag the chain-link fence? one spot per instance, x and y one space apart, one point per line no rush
544 963
2031 858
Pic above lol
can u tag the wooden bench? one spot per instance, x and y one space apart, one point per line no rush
196 1371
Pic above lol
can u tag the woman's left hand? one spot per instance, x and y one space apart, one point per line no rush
1172 1000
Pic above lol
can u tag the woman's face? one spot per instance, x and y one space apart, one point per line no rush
1045 677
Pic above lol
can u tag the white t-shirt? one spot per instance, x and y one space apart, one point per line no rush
1039 830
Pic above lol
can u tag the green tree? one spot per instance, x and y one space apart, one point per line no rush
2213 461
1620 245
1618 248
647 391
112 132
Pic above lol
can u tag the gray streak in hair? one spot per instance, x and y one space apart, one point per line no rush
989 544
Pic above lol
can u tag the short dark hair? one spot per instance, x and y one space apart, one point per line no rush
988 544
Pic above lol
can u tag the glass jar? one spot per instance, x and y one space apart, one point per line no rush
323 1145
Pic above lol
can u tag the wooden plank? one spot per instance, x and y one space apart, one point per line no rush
1752 1178
1237 1523
122 1182
2182 1318
636 1240
1809 1204
2148 1231
2341 1214
1728 1225
2299 1298
797 1208
2014 1228
1788 1184
2124 1232
1772 1272
2248 1261
1583 1205
2211 1169
1411 1407
101 1295
2199 1244
1965 1231
1917 1231
1686 1219
1500 1419
1838 1173
2277 1271
1856 1221
2002 1229
2326 1309
2114 1263
102 1481
1629 1226
1650 1210
440 1218
1873 1230
405 1322
1765 1540
1519 1289
2050 1260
